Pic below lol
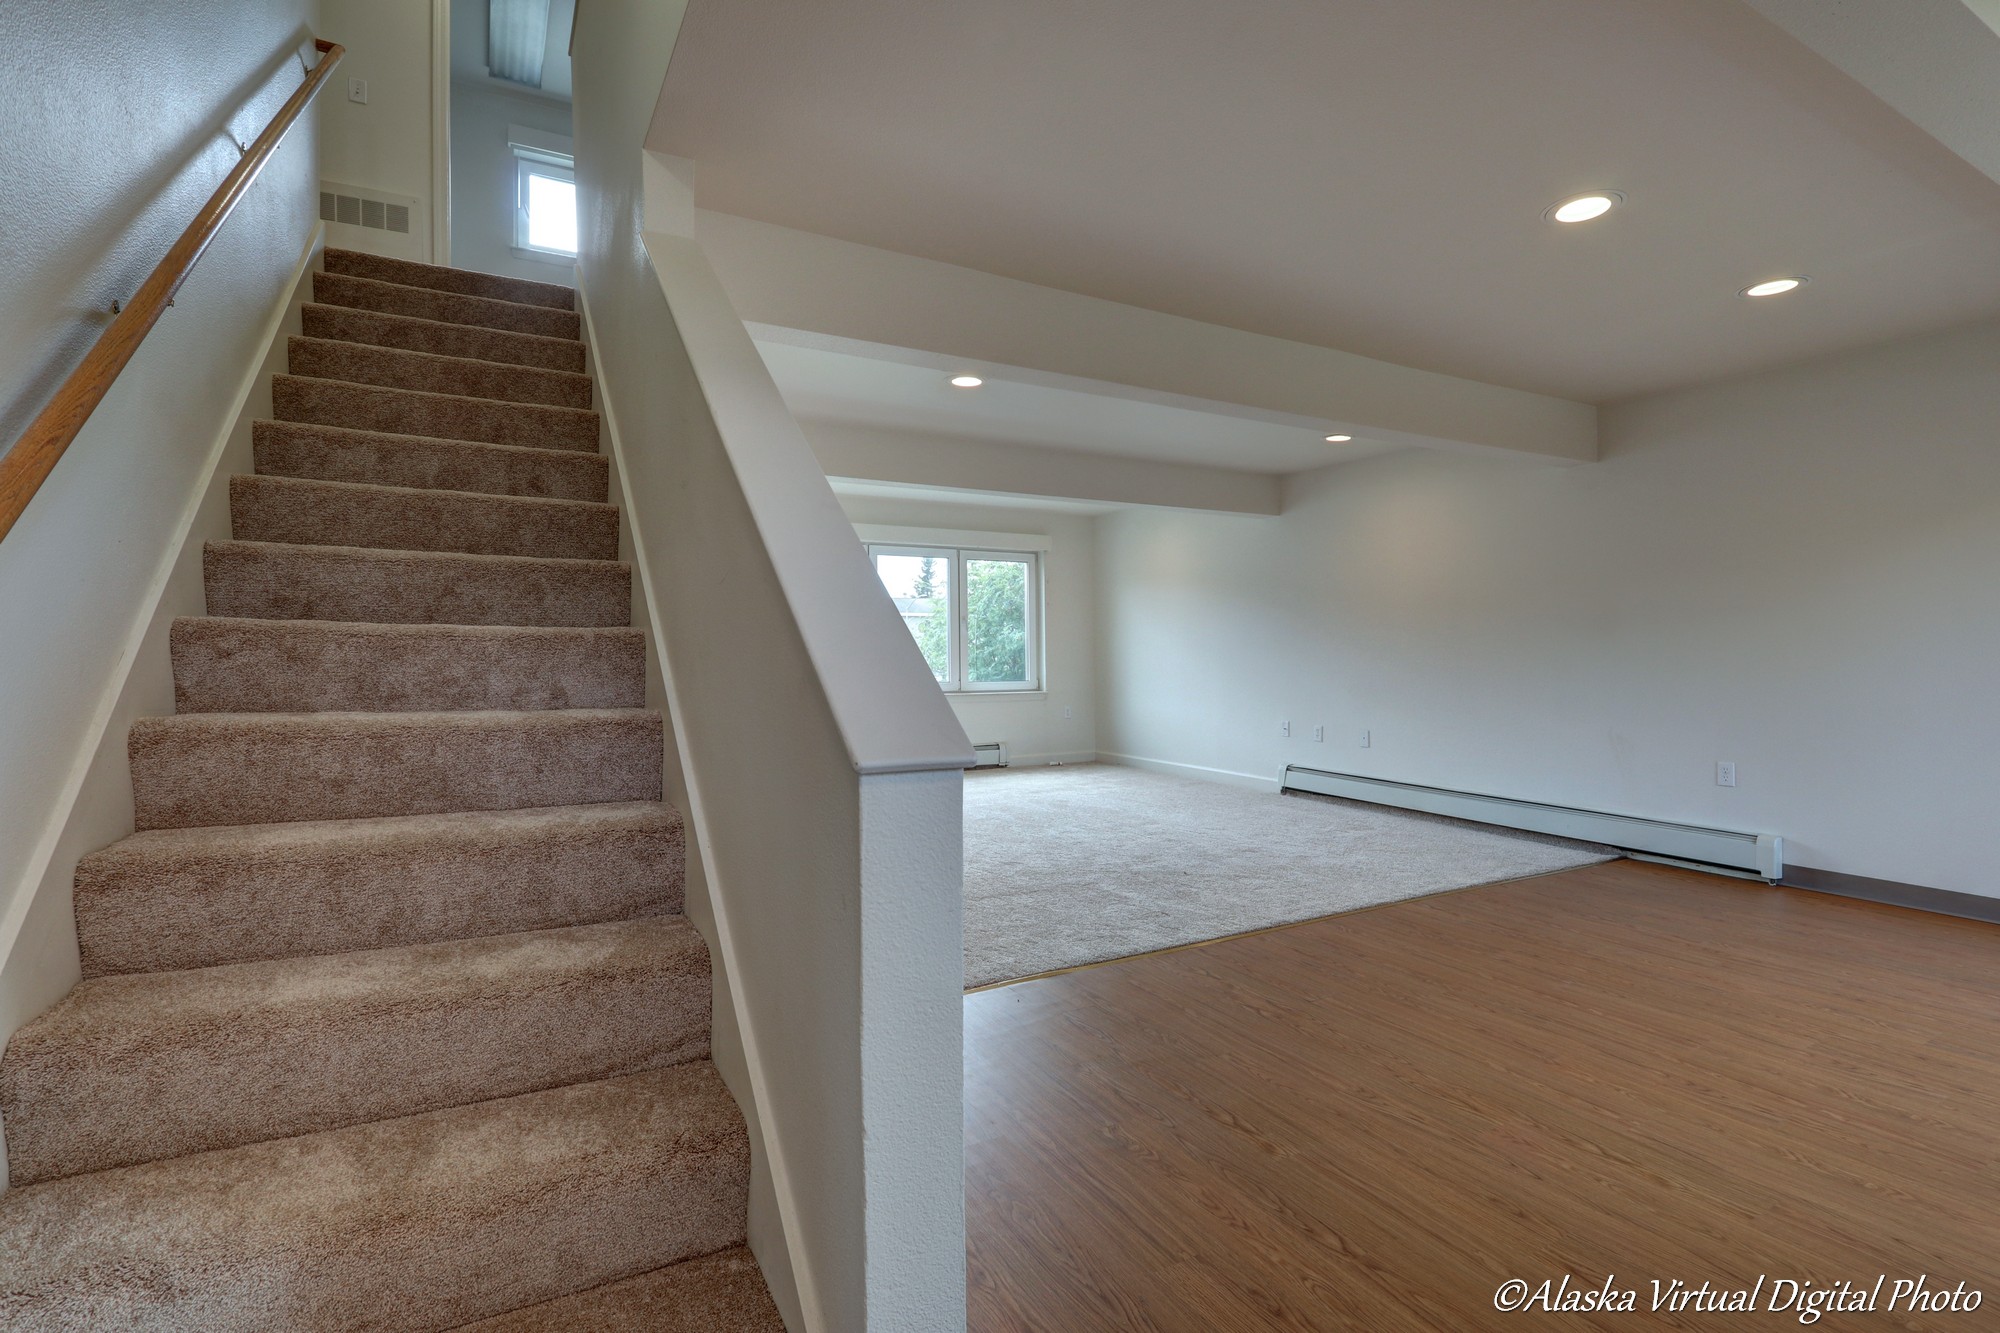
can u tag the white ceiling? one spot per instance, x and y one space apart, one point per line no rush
468 50
1356 174
820 384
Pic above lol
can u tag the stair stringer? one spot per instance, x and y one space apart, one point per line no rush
773 1216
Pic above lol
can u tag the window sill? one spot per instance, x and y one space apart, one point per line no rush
995 694
543 256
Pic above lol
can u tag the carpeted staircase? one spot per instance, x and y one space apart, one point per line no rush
390 1019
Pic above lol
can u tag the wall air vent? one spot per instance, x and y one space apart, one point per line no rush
384 224
1759 854
990 756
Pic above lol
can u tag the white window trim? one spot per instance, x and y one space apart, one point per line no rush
955 682
537 153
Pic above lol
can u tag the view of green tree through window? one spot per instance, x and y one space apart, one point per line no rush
921 586
996 621
973 614
933 631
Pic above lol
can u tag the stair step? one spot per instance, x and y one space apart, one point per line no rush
280 581
252 1051
199 769
228 665
334 453
392 298
421 1223
171 899
717 1293
441 415
437 277
429 335
399 518
396 368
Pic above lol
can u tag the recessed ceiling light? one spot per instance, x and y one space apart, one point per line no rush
1775 287
966 381
1585 207
1338 439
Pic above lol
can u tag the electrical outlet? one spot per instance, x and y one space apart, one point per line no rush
1285 730
1725 774
1319 733
1365 742
1069 714
357 91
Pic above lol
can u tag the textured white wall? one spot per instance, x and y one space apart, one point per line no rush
483 180
1032 725
116 120
1798 572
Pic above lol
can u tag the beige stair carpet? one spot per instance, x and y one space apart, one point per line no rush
335 453
252 1051
391 298
342 513
347 324
196 897
406 368
423 1222
196 769
419 412
720 1293
307 666
391 1019
275 581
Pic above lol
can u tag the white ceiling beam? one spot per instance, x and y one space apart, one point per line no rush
854 452
794 285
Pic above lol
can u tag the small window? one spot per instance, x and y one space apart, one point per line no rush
976 615
544 203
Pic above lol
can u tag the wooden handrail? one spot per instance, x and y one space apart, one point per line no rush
27 465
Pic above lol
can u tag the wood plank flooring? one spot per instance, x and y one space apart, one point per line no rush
1370 1122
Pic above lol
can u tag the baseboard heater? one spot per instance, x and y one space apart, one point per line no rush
990 756
1759 854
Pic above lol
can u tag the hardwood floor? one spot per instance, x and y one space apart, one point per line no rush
1372 1121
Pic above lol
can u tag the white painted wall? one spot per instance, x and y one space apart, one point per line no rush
93 559
1032 722
1798 572
815 763
388 143
483 180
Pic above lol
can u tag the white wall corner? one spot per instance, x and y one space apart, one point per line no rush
440 131
669 193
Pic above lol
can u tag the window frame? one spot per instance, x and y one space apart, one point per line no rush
957 640
536 162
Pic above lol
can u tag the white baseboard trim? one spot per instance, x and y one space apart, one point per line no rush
1255 781
1051 757
1761 854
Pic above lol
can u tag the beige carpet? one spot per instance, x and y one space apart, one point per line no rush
390 1018
1087 862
